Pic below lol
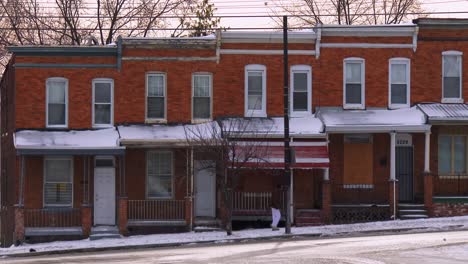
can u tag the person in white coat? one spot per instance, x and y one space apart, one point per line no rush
275 207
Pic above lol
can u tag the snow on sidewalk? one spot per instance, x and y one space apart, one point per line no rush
220 236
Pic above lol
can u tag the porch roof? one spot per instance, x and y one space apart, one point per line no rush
445 113
373 120
74 142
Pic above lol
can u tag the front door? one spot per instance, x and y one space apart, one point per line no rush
104 192
205 188
404 172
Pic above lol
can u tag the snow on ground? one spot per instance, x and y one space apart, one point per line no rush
221 237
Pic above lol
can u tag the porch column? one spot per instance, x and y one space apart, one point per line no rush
123 215
326 197
428 178
393 182
86 220
392 156
427 151
19 208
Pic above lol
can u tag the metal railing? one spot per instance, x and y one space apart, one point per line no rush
359 193
52 217
450 185
254 201
145 210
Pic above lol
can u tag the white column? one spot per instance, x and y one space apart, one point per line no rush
326 174
392 155
427 151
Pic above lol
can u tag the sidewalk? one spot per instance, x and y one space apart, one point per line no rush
169 240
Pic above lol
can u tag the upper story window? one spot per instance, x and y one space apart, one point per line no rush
301 90
103 102
452 77
399 82
354 84
202 90
255 90
155 96
159 174
58 181
57 100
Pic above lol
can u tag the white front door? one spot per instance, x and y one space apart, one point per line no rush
104 196
205 188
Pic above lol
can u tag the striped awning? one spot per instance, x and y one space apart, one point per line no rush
304 155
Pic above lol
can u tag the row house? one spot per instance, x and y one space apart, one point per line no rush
96 139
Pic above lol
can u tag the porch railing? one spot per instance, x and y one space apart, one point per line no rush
254 201
147 210
360 193
452 185
52 217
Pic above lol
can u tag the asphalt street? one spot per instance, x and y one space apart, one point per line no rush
422 248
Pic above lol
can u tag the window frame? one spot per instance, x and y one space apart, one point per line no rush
66 102
452 151
210 75
67 158
153 119
362 105
459 55
103 80
301 69
397 61
255 68
172 196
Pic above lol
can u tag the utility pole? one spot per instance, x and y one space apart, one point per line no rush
287 150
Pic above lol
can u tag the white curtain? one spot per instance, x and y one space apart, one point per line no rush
353 72
156 85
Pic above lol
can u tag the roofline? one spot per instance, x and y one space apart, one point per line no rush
441 22
104 51
267 37
369 31
377 128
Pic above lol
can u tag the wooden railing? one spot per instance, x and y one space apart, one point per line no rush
145 210
453 185
52 217
254 201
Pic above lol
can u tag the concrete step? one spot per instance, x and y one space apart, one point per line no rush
412 211
103 236
101 232
407 205
200 229
413 216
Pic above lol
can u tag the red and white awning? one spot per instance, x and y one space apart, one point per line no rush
306 155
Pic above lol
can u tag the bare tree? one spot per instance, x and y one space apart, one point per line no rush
348 12
222 141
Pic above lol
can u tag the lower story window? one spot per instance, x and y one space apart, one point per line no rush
58 184
452 154
159 174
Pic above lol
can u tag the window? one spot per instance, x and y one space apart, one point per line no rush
102 102
57 100
58 185
159 174
354 83
358 161
452 155
255 90
451 72
156 96
399 82
202 90
301 89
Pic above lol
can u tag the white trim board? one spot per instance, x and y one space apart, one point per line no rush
367 45
265 52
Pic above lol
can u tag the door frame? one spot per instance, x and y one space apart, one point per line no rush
213 188
94 186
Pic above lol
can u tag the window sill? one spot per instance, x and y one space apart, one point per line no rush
452 100
255 114
301 114
353 107
57 127
201 121
398 106
103 126
155 121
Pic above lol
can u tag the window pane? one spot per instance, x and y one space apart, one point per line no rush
255 83
398 94
353 93
155 107
102 92
255 102
201 85
58 193
58 186
201 108
398 73
460 154
156 85
58 170
445 154
56 92
102 114
451 87
451 66
353 72
159 183
300 82
56 114
300 101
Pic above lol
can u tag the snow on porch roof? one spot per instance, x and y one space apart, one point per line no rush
437 112
308 126
374 120
86 142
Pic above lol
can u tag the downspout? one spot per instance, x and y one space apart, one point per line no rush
119 53
218 45
317 41
415 38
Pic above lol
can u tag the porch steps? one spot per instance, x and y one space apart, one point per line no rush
308 217
101 232
206 225
412 211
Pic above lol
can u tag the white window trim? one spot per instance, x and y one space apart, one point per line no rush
210 75
44 181
156 120
459 54
362 105
407 62
104 80
255 113
66 102
301 69
173 175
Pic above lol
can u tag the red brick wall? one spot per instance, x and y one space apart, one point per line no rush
449 209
